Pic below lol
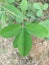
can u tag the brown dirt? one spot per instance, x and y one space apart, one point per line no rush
39 54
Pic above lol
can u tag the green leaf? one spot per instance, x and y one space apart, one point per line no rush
37 30
20 20
15 43
1 14
15 40
10 1
45 6
45 24
24 43
23 5
14 11
3 20
39 13
37 5
10 30
2 0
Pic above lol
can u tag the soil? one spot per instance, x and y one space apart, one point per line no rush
39 54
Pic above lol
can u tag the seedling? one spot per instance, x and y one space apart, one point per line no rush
19 21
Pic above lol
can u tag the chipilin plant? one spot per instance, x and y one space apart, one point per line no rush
19 20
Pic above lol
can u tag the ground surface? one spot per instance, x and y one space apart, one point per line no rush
39 54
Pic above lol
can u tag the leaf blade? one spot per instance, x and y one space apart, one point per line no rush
37 30
46 24
10 31
15 40
14 11
10 1
23 5
23 44
45 6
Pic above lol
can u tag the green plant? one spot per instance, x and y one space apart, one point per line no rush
19 21
45 23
